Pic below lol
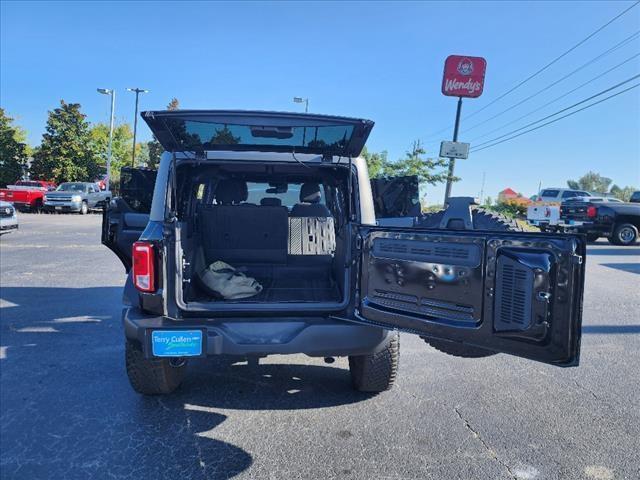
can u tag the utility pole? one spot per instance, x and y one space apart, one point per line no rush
137 91
452 161
484 174
112 92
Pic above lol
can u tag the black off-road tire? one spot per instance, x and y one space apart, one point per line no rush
482 220
624 234
151 376
376 372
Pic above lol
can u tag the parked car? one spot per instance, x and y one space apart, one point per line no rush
210 274
77 197
611 218
545 213
635 197
8 217
27 195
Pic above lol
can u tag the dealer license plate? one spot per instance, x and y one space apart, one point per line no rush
176 343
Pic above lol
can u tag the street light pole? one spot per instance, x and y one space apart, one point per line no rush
302 100
137 91
107 91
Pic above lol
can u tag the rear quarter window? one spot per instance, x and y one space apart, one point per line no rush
136 188
569 194
550 193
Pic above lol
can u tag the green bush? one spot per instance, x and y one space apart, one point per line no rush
511 208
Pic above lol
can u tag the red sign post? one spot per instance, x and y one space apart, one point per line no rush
463 77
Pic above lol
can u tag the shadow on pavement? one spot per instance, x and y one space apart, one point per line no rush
619 251
625 267
611 329
67 410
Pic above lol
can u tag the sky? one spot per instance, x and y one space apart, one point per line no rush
377 60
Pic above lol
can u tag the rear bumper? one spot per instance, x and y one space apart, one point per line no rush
316 336
589 228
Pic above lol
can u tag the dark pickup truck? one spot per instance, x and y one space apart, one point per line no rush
618 221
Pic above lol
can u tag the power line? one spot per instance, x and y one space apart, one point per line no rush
556 99
560 111
552 62
552 84
560 118
556 59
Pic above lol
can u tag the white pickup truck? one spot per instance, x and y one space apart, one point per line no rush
545 212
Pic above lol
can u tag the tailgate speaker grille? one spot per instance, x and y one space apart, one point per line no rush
449 253
513 294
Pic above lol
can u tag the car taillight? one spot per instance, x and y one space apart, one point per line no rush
592 212
143 266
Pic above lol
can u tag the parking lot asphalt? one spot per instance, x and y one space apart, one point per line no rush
67 410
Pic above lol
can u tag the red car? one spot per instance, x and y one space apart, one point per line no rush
27 194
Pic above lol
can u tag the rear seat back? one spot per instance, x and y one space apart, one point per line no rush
311 236
239 234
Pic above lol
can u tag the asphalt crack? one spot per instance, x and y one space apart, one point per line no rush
582 387
490 451
196 442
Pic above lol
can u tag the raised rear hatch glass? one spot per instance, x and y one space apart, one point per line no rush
204 130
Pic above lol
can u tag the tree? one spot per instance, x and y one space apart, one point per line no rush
13 150
66 152
120 145
375 162
428 170
142 153
174 104
623 193
154 147
591 182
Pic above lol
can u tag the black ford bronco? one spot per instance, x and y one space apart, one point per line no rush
284 200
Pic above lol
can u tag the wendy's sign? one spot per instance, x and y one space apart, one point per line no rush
463 76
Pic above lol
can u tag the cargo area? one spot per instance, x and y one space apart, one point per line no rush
280 230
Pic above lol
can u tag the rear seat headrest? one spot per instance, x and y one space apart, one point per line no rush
310 193
271 202
231 191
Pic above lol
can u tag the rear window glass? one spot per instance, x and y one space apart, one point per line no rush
396 196
136 188
210 136
550 193
570 194
258 191
72 187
